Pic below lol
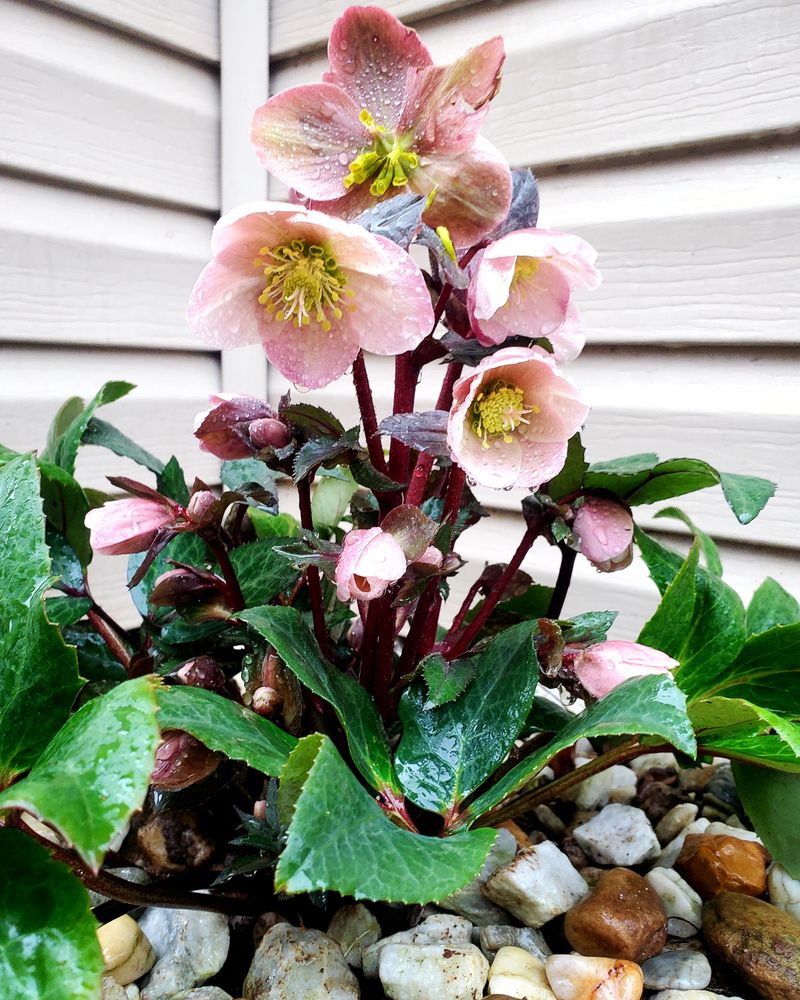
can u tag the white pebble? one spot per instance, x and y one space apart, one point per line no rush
677 970
441 928
718 829
432 972
516 973
575 977
690 995
619 835
615 784
675 821
784 891
680 901
469 901
654 762
127 952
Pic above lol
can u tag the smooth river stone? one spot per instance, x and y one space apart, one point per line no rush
573 977
677 970
714 864
539 884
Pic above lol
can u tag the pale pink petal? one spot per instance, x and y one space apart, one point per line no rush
354 202
603 667
473 191
223 308
562 412
122 527
430 557
373 57
603 530
381 559
488 291
447 105
240 233
307 136
370 560
572 254
308 356
568 340
537 303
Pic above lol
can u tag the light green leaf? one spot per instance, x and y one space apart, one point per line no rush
446 752
223 725
172 482
95 772
285 630
620 475
63 611
708 545
746 495
357 851
772 802
332 495
733 727
445 679
103 435
48 939
67 412
242 471
670 627
642 706
273 525
66 449
263 573
771 605
674 478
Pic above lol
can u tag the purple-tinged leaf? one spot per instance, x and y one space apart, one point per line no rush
398 219
524 210
411 529
425 431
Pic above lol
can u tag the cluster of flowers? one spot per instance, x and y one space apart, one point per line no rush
315 288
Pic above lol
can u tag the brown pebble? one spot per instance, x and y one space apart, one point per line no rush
622 916
718 863
174 841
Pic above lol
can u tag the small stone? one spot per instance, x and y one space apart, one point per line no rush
549 821
174 841
203 993
654 762
539 884
656 798
695 779
111 990
683 905
497 936
676 820
190 946
354 928
619 835
677 970
516 831
441 928
722 788
615 784
714 864
715 829
622 916
292 962
574 977
584 750
516 973
784 891
470 902
713 814
575 853
127 953
759 942
670 853
431 972
690 995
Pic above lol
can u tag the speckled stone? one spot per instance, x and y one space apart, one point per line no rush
619 835
292 962
574 977
432 972
677 970
539 884
675 821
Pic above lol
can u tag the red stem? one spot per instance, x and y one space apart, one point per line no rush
235 596
118 647
405 389
456 480
458 621
312 573
366 405
416 632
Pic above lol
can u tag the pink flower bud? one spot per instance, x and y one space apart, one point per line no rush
603 531
181 760
125 526
267 702
199 505
202 672
224 429
369 562
601 667
269 433
179 587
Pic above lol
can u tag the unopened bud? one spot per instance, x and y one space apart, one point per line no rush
267 702
179 587
181 760
269 433
200 505
202 672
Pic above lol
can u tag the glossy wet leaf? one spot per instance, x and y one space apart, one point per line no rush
285 629
66 610
425 431
357 851
445 679
95 771
324 450
172 482
104 435
772 803
570 478
707 544
65 507
746 495
771 605
48 938
733 727
671 625
262 572
39 672
238 472
643 706
222 724
547 716
446 752
65 451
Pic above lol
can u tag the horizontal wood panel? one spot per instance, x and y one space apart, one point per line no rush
83 105
158 414
77 268
190 26
587 81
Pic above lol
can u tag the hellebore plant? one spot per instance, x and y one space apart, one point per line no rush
319 674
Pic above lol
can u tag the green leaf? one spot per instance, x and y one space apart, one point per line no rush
273 525
772 802
445 679
588 628
327 451
570 479
674 478
95 772
285 630
262 572
708 545
313 420
223 725
48 938
671 625
662 563
95 661
64 563
746 495
67 412
39 675
66 449
247 470
771 605
331 498
103 435
66 610
733 727
66 507
357 851
547 716
446 752
172 482
620 475
643 706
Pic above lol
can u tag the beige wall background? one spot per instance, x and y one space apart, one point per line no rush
666 132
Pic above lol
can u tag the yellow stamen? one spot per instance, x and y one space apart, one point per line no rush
444 235
499 410
525 267
304 283
389 158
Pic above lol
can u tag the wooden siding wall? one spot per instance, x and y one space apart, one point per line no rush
666 133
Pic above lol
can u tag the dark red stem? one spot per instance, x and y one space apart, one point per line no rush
458 621
366 405
110 636
405 389
312 573
234 591
563 581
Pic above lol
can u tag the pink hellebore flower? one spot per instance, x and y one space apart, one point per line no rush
124 526
236 426
602 667
371 559
312 289
603 531
522 286
512 417
387 120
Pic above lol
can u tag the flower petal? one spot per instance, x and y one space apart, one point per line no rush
223 307
307 136
374 59
536 305
309 357
569 339
571 254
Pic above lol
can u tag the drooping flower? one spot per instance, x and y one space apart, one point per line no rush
371 559
603 531
130 525
386 120
512 417
312 289
236 426
602 667
522 285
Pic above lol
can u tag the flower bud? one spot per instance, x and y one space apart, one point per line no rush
130 525
224 429
602 667
267 702
181 760
202 672
603 531
178 587
199 505
269 433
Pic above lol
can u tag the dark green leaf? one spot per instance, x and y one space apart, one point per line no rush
446 752
547 716
322 450
357 851
285 630
662 563
732 727
710 550
643 706
247 470
172 482
66 507
445 679
69 410
66 449
103 435
771 605
588 628
95 661
64 562
570 478
670 627
620 475
48 939
66 610
674 478
313 420
772 802
746 495
223 725
95 772
262 572
365 474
